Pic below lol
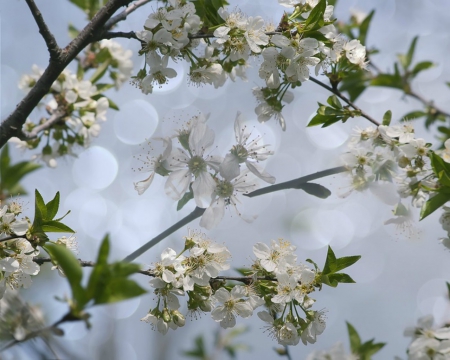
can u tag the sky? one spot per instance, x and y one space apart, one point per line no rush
401 275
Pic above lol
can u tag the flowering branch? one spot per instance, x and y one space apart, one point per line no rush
57 115
13 124
49 39
12 237
297 183
341 96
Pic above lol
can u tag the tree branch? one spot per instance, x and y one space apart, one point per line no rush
12 126
186 220
49 39
123 15
57 115
339 94
297 183
118 34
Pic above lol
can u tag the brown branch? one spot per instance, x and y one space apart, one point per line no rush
49 39
123 15
12 126
428 103
341 96
118 34
12 237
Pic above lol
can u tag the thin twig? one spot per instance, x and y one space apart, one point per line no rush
186 220
123 15
57 115
297 183
339 94
243 279
12 237
49 39
428 103
293 184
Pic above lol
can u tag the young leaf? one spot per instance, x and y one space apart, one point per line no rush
421 66
71 268
39 206
387 117
434 203
330 262
364 27
334 102
184 200
52 207
56 226
346 261
315 19
119 289
355 340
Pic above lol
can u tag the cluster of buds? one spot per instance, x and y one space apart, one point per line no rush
212 181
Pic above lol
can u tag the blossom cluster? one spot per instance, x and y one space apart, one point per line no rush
392 154
428 343
75 107
287 53
214 182
16 255
275 280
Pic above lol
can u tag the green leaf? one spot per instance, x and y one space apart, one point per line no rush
71 268
406 59
364 27
355 340
354 84
207 11
439 165
100 71
100 275
346 261
448 289
315 19
330 262
12 175
413 115
52 207
387 117
318 120
334 102
388 80
56 226
112 104
314 189
119 289
40 208
341 278
4 161
434 203
184 200
421 66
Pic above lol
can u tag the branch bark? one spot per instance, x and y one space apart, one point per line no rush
12 126
49 39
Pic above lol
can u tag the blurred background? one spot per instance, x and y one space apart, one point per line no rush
402 273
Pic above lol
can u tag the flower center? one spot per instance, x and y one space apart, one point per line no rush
224 189
240 152
197 165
